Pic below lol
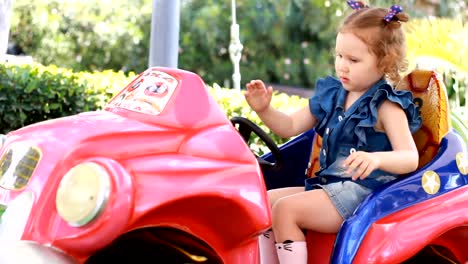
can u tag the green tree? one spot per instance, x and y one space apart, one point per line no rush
84 35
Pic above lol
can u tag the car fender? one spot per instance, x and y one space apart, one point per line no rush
401 235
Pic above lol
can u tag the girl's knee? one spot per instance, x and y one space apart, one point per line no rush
281 208
276 194
273 197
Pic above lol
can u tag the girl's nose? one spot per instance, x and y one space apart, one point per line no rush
342 66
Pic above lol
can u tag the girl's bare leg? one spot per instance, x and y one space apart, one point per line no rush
311 210
276 194
266 240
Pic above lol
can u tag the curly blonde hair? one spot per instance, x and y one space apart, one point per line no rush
385 39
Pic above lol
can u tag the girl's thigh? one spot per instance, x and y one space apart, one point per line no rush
276 194
312 210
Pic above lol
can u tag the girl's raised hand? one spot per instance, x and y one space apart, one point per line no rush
258 96
360 164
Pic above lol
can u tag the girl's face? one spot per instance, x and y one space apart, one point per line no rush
355 65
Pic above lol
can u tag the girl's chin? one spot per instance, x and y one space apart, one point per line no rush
347 87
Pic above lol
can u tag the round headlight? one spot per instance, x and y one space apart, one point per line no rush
83 193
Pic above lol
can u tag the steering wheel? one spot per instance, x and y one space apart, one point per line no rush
245 128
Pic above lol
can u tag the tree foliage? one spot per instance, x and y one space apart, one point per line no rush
285 41
84 35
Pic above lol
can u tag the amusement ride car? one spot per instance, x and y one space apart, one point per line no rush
161 175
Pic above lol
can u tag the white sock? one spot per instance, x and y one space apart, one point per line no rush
292 252
266 243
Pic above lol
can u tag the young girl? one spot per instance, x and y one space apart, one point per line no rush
365 126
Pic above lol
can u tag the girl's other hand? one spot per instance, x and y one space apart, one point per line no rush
258 96
360 164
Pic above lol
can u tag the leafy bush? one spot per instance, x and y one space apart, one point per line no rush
105 83
30 94
33 93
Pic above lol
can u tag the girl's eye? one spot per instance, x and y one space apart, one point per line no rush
353 60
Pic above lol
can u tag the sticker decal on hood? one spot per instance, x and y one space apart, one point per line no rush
147 94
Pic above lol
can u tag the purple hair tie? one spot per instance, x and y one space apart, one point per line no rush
394 9
356 5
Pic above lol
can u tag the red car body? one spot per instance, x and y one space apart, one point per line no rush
177 163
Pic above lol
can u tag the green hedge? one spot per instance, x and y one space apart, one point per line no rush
29 94
33 93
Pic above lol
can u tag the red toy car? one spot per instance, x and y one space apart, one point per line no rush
162 176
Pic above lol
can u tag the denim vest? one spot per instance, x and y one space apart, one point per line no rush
344 132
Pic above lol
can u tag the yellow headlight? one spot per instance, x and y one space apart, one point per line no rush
83 193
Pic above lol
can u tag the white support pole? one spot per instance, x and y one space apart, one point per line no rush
164 41
235 48
5 12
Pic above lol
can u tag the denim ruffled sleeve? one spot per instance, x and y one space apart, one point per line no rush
368 110
323 101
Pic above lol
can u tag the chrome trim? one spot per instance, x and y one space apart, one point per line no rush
32 253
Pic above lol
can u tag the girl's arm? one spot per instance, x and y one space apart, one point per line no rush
402 159
285 125
258 96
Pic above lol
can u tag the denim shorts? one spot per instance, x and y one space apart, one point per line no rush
345 195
